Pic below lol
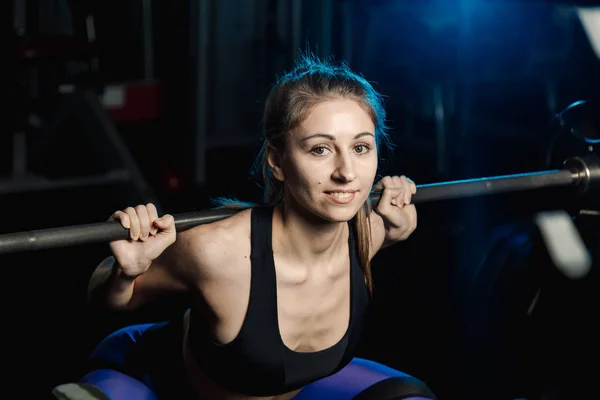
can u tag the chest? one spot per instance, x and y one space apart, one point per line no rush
313 304
288 329
309 308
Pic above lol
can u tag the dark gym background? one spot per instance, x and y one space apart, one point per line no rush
112 103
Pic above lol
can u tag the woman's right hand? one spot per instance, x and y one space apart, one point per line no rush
149 236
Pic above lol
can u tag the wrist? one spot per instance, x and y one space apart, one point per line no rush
121 274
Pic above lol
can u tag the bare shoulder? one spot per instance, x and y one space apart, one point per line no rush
218 245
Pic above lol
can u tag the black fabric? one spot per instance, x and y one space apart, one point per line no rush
396 388
257 362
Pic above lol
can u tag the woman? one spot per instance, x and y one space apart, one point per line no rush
280 290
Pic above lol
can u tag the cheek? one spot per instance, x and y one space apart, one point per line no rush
314 177
301 174
308 180
368 168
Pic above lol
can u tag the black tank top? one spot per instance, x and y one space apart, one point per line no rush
257 362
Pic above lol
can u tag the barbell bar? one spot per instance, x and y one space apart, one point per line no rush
579 173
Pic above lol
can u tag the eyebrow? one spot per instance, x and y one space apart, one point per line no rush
331 137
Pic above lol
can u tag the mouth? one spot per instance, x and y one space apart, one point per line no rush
342 196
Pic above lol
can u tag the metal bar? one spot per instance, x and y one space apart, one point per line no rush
95 233
494 185
109 231
200 37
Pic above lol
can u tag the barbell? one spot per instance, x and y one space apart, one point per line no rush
581 174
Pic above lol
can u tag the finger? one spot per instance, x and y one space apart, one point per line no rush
398 187
406 189
142 214
153 216
379 185
385 202
134 226
413 187
122 218
166 223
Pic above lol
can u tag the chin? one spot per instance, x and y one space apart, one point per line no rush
340 213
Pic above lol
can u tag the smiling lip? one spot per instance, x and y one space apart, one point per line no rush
341 196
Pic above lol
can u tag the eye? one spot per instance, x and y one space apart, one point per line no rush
319 150
362 148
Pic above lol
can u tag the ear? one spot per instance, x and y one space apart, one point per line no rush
274 159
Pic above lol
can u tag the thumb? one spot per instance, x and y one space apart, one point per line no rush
166 223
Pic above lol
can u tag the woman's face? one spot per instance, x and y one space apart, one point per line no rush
330 161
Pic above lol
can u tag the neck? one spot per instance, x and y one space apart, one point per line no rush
305 236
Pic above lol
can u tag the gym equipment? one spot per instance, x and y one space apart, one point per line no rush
580 174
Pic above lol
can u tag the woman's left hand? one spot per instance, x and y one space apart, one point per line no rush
395 208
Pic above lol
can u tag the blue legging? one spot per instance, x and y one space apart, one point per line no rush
361 379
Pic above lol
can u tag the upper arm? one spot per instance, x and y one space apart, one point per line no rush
171 273
198 255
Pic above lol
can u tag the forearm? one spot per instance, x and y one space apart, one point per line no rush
108 287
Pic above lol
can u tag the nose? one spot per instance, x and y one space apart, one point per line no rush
344 169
